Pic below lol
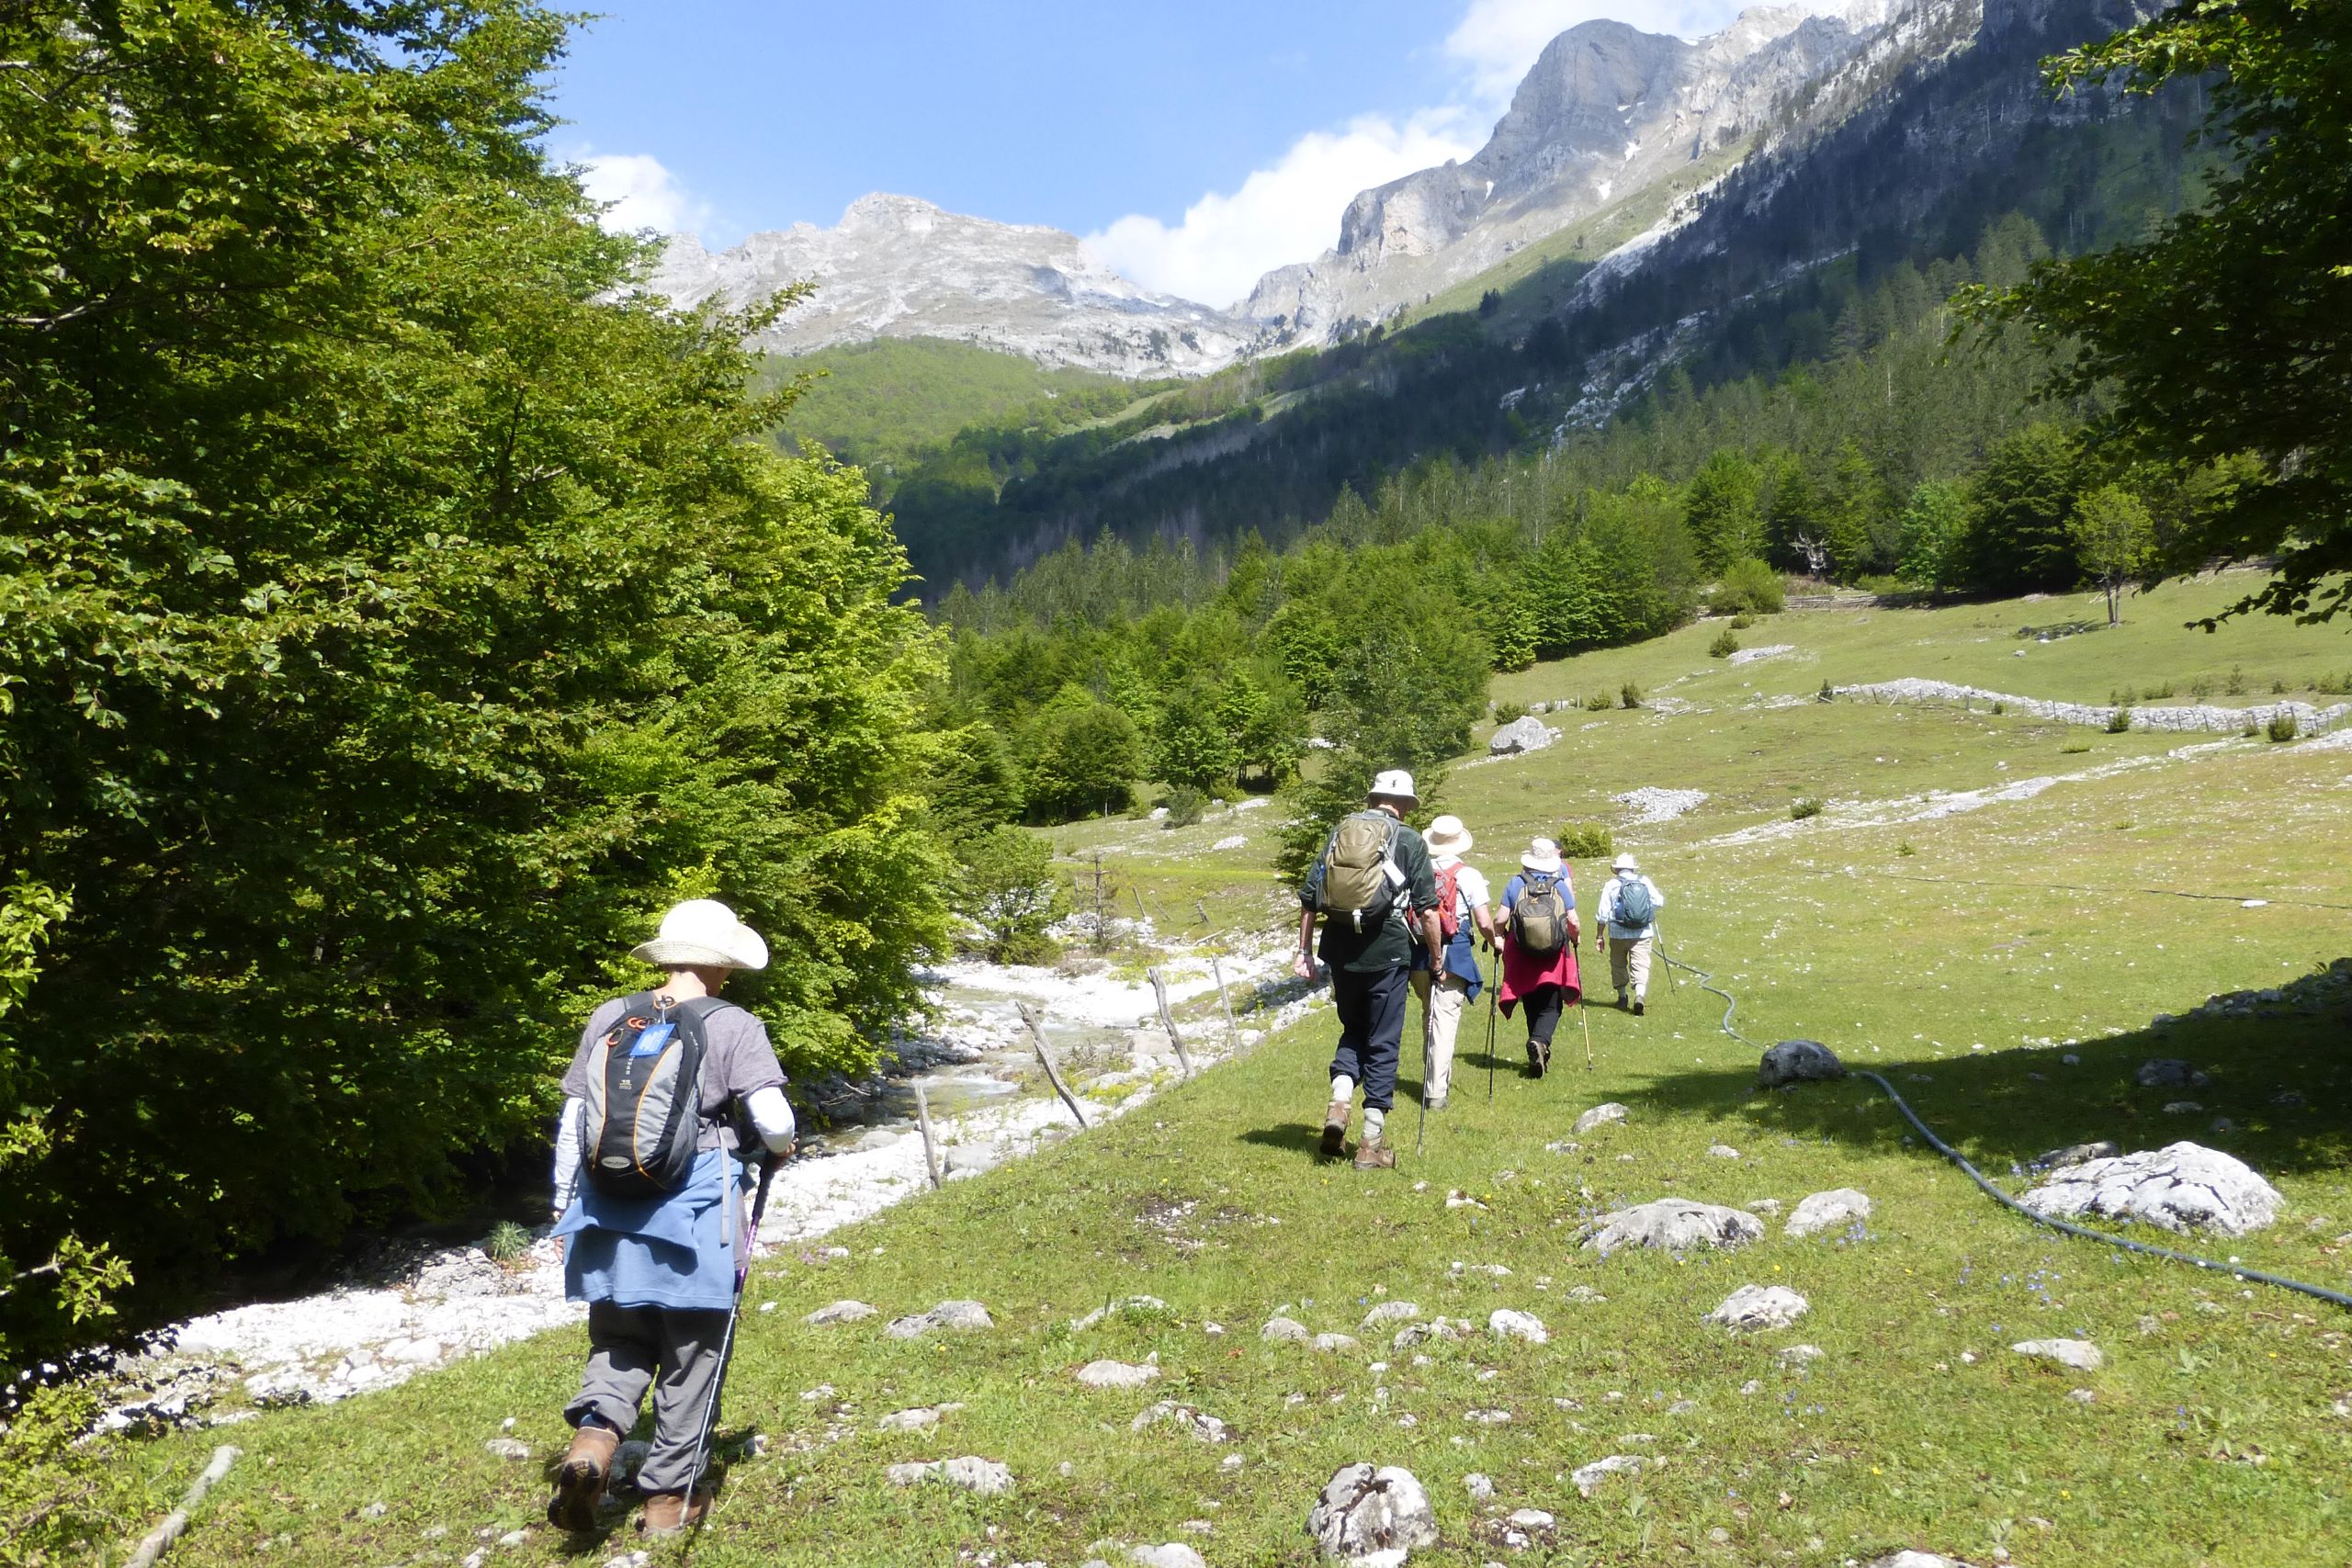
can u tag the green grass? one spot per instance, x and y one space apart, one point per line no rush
1963 953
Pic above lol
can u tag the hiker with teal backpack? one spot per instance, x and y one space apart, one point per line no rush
1629 907
649 1204
1376 893
1540 937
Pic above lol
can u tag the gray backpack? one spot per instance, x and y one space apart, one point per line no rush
644 1098
1360 876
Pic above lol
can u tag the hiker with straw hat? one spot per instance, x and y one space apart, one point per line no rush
1629 907
1540 937
1377 897
1448 989
649 1206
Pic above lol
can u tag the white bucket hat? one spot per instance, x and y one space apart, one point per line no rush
706 933
1626 863
1394 784
1447 836
1543 854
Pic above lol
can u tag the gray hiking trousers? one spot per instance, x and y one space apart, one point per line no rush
675 1353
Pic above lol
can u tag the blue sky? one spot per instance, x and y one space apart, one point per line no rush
1194 145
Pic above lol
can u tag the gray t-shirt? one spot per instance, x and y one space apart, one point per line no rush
737 1062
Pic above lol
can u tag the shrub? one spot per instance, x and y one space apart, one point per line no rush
1750 586
2334 685
2282 725
2200 689
506 1243
1598 702
2119 720
1507 713
1587 840
2156 694
1629 696
1904 847
1010 891
2278 687
1802 807
2075 747
1742 621
1828 694
2236 686
1723 647
2000 707
1186 806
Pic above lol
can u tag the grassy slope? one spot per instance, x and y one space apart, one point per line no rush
883 402
1908 962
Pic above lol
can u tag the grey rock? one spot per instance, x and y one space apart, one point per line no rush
1172 1554
1721 1151
1825 1210
2074 1154
1140 1305
1799 1355
957 1315
1478 1486
374 1511
454 1276
922 1419
2079 1354
971 1472
1505 1323
1588 1477
1753 1307
840 1311
1600 1116
1390 1311
1439 1327
2180 1187
1798 1061
1530 1519
1365 1510
2182 1107
1206 1428
1908 1559
1528 733
1117 1375
2170 1072
1336 1343
1284 1328
1585 1294
1675 1224
507 1447
1764 1206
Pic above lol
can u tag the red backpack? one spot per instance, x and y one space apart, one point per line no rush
1448 903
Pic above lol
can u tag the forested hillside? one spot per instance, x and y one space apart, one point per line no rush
1803 256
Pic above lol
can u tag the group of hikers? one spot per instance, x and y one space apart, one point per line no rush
1403 914
674 1097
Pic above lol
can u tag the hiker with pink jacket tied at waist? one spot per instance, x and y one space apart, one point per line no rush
1540 937
1629 907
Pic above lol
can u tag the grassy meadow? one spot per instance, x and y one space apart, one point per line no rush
1949 919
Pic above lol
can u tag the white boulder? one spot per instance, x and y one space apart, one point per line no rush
2180 1187
1825 1210
1674 1225
1753 1307
1365 1511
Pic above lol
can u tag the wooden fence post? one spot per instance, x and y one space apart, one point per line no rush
1036 1018
1166 1022
929 1148
1232 1034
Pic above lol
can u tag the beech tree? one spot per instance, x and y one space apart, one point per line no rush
2229 329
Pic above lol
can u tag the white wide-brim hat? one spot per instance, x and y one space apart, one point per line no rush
1625 863
1396 784
704 933
1447 836
1542 855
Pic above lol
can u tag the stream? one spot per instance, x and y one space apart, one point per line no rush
988 1102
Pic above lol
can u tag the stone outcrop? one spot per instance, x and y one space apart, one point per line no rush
2180 1187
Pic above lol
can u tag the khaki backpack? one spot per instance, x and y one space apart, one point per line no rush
1360 876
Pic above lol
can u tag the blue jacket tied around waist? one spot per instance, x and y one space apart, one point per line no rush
676 1250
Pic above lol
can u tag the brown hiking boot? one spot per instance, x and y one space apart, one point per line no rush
1335 1130
671 1513
1372 1153
580 1481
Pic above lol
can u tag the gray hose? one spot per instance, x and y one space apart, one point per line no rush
2318 1293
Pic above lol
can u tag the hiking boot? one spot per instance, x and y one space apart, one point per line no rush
1539 1058
1335 1130
581 1479
672 1513
1372 1153
1637 1007
1436 1104
1621 998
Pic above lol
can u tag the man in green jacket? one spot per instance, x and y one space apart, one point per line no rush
1373 909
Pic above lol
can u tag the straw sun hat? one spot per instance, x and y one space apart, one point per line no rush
1543 854
704 933
1447 836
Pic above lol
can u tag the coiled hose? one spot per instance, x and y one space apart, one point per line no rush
2320 1293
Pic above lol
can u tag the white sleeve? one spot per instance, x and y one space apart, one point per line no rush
771 1114
570 1124
1657 899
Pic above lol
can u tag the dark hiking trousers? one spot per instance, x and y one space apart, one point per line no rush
1543 1006
627 1349
1372 1030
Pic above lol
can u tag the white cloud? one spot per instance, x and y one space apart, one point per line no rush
642 194
1286 213
1496 41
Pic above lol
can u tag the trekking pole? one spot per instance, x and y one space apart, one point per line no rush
1422 1121
1658 927
1492 991
1583 1021
734 1312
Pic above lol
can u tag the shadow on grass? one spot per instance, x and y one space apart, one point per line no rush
2279 1081
1295 1137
